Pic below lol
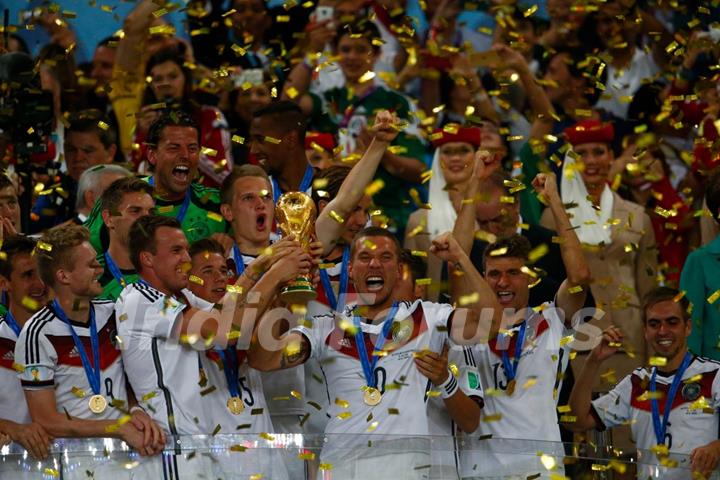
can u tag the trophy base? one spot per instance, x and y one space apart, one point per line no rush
298 292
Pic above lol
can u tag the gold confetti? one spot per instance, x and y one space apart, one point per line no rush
344 415
275 141
337 217
713 298
196 279
237 448
498 252
367 76
267 437
537 253
30 303
658 361
306 456
492 418
469 299
326 466
78 392
238 139
216 217
44 246
374 187
342 403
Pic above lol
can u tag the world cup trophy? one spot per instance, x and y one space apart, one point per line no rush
295 213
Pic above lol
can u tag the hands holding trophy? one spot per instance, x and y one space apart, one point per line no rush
295 213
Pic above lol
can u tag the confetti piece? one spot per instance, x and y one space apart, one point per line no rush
237 448
658 361
326 466
30 303
337 217
367 76
374 187
469 299
344 415
197 280
713 298
498 252
342 403
78 392
44 246
275 141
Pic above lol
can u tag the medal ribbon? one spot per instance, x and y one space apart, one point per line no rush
238 259
186 201
305 183
12 323
230 368
661 428
114 270
367 364
511 368
342 289
91 371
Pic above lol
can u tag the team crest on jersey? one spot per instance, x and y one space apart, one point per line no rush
402 330
691 391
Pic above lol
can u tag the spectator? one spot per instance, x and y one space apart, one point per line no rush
621 248
93 182
699 280
89 142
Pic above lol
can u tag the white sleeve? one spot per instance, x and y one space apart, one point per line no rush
468 373
158 318
715 389
315 330
614 407
39 358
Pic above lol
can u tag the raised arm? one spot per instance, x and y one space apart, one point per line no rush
464 229
136 30
327 228
581 396
540 104
479 314
220 325
568 299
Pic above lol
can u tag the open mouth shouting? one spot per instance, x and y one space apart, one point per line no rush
181 174
261 222
505 297
374 283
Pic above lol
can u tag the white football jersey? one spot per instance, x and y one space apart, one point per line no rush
445 454
12 399
278 385
693 420
255 418
542 364
163 372
50 359
417 326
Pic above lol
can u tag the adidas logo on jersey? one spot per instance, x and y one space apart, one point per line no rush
74 352
9 355
345 342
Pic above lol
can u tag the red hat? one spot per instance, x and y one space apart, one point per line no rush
449 134
587 131
325 140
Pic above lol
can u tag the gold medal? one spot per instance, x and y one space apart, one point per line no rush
511 387
235 405
372 396
97 404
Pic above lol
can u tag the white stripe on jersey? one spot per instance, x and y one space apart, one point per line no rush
164 374
12 399
688 427
51 360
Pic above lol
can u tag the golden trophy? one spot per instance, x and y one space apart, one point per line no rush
295 214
